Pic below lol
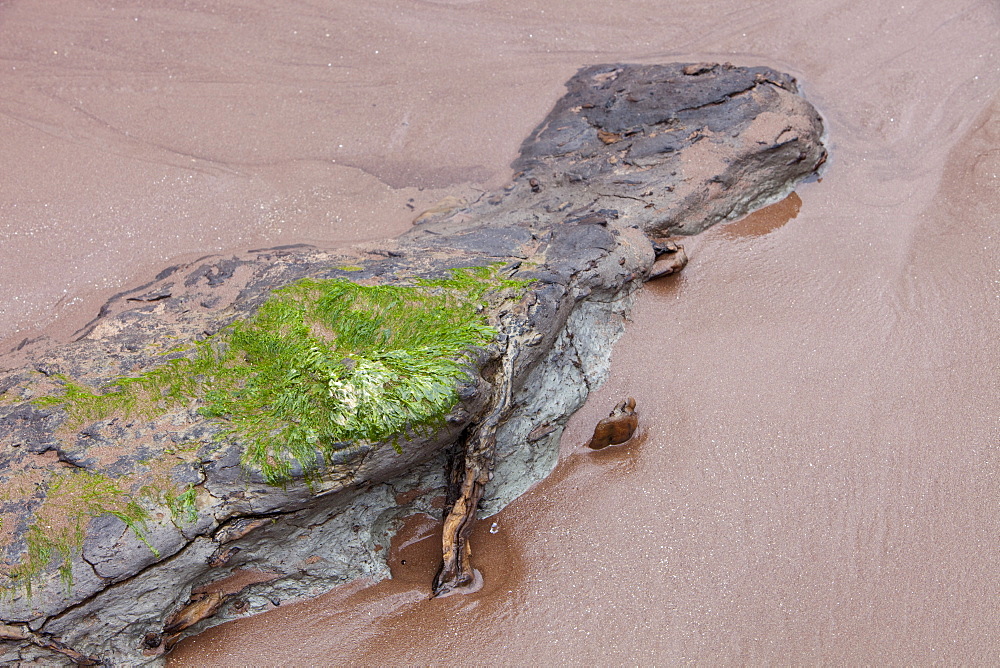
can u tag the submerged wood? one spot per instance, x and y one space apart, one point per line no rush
630 156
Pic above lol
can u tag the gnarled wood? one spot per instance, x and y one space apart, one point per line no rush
471 470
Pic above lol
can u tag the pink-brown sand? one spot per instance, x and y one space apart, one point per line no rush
817 476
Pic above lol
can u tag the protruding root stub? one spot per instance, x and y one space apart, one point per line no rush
199 606
670 258
470 469
617 428
456 570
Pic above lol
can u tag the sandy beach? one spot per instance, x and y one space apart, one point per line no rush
816 478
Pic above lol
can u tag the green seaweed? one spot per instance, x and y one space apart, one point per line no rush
324 362
71 500
182 506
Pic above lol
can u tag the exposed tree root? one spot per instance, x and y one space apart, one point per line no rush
470 468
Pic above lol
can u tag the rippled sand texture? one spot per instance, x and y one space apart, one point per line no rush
817 478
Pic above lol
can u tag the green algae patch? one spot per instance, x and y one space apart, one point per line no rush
323 363
71 500
328 362
183 505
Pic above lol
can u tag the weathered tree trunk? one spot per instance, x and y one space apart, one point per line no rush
632 154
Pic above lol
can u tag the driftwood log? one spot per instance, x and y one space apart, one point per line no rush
631 156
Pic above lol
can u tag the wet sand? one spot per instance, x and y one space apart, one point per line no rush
817 476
